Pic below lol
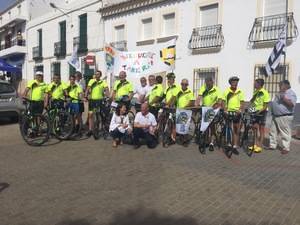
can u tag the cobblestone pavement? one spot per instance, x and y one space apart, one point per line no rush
88 183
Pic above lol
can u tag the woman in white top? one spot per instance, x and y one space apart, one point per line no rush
119 125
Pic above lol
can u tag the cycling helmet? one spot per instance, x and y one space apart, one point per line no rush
234 78
171 75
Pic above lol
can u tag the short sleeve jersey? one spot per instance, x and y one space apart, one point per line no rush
171 92
260 98
122 89
74 91
233 99
56 90
184 98
157 91
37 89
210 97
97 89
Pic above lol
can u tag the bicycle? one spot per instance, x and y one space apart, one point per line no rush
62 124
249 134
226 136
34 128
165 125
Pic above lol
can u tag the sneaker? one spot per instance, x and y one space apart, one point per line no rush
89 133
211 147
257 149
284 151
235 151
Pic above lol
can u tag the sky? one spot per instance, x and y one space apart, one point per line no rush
6 3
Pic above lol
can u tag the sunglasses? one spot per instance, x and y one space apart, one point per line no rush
183 84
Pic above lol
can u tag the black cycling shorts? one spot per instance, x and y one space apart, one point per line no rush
260 118
36 107
81 107
234 118
94 104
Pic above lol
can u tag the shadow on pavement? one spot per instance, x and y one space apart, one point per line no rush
3 186
75 222
7 121
142 216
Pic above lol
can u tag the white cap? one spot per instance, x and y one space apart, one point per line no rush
39 73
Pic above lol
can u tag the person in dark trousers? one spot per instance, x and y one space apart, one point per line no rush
144 128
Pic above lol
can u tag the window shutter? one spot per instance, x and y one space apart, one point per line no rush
120 33
209 15
62 26
273 7
83 32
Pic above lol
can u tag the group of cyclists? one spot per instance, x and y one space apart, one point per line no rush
231 101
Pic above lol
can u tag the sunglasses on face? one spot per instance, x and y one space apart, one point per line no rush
183 84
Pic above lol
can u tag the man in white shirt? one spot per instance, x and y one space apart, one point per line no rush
141 93
144 128
151 83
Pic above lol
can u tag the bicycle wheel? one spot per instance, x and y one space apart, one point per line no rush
203 142
228 140
166 137
192 130
131 117
63 125
160 128
97 125
35 130
250 142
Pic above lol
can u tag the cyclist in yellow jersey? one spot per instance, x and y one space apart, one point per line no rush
209 95
259 103
75 92
37 89
156 96
171 91
56 92
233 101
122 89
96 90
185 97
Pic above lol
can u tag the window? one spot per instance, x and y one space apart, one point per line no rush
6 88
55 69
169 24
201 74
120 33
40 41
147 31
272 82
82 33
209 15
273 7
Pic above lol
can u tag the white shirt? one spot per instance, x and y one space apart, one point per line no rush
116 121
141 91
148 119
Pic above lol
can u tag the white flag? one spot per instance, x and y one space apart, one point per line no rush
278 50
74 60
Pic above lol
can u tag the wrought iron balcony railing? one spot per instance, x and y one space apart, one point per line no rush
37 53
120 45
207 37
81 41
15 42
269 28
60 48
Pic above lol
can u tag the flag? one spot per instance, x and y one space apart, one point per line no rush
278 50
168 54
74 60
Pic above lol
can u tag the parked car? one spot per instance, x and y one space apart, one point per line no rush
10 104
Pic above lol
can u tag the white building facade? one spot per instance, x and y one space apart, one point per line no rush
54 30
219 38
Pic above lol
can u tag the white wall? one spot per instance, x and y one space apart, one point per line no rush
236 58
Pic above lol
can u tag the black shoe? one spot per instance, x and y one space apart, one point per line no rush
228 151
211 147
235 151
89 133
136 146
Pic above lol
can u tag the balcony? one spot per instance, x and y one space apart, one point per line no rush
13 21
60 49
120 45
81 42
268 29
209 37
37 53
13 48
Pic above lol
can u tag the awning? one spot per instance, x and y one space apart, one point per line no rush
4 66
